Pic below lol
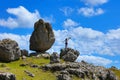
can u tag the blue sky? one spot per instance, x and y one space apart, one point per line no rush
93 25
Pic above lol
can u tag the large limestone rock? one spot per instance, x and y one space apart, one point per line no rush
42 37
68 54
9 50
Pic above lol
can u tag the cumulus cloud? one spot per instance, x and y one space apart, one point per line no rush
70 23
23 18
89 41
94 2
67 10
88 12
95 60
91 9
22 40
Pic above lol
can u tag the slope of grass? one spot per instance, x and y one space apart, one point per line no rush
15 68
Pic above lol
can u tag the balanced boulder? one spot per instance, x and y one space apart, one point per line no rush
9 50
42 37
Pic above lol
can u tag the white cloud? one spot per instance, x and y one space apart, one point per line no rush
95 60
23 18
67 10
94 2
88 41
22 40
90 11
70 23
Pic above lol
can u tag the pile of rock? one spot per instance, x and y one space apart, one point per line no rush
82 70
9 50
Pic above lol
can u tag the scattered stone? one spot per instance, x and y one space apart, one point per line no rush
42 37
9 50
46 55
29 73
54 58
23 64
39 54
24 52
7 76
68 54
34 66
23 57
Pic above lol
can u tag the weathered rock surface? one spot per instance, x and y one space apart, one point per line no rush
82 70
64 75
7 76
42 37
24 52
54 58
69 54
9 50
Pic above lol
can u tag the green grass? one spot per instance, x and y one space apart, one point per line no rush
15 68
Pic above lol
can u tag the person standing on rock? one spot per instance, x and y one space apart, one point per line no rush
66 42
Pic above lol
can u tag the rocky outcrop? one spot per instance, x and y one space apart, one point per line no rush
82 70
54 58
7 76
64 75
42 37
9 50
24 52
68 54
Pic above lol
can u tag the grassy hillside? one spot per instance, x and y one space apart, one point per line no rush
15 68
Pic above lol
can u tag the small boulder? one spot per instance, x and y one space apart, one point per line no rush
68 54
29 73
9 50
24 52
54 58
7 76
42 37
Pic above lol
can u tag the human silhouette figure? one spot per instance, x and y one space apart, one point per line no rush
66 42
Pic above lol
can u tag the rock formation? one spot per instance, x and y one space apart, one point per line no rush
54 58
42 37
9 50
7 76
24 52
82 70
68 54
